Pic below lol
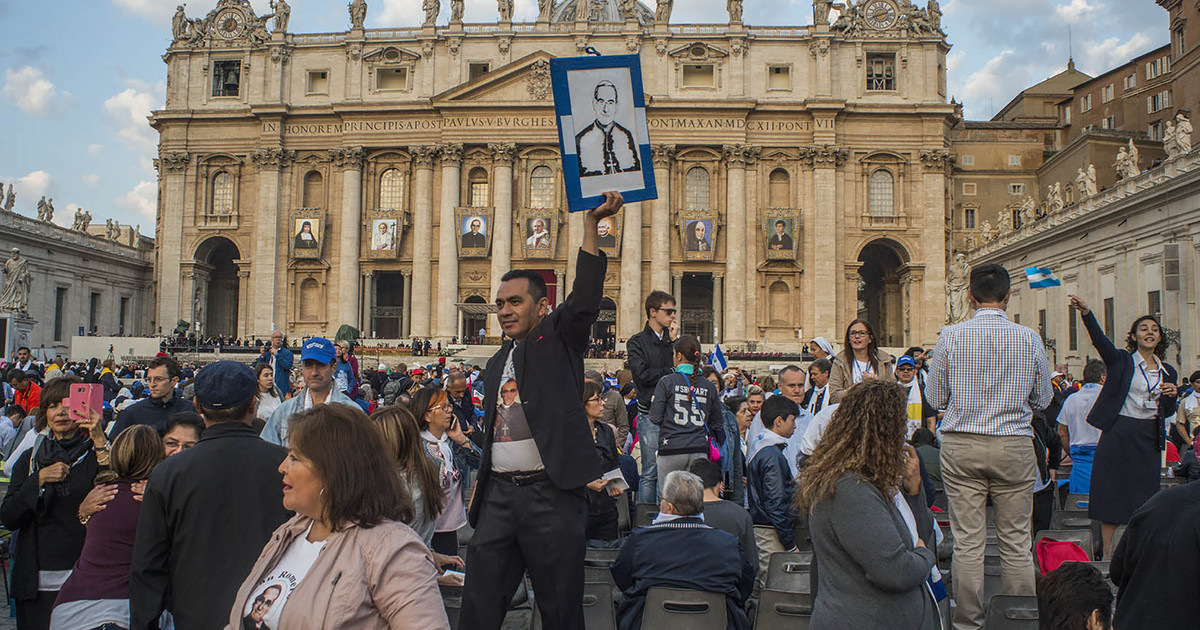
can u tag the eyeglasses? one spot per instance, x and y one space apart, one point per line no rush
669 311
154 380
859 333
594 399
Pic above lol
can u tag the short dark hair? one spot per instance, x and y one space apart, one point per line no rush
361 484
708 370
187 419
656 300
1068 595
25 348
1094 370
1195 376
733 402
914 351
605 83
168 362
708 472
17 375
14 410
923 436
777 407
823 364
537 284
781 222
990 283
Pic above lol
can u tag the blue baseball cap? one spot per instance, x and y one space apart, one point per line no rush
318 349
905 360
225 385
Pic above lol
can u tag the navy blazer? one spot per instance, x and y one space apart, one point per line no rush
1120 368
549 369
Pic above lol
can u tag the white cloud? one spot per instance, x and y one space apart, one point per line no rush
142 200
65 216
91 179
32 91
95 149
159 12
29 189
1111 52
128 110
1076 11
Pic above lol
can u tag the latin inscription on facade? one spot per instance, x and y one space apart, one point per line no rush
528 122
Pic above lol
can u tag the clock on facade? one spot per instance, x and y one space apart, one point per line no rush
230 23
880 14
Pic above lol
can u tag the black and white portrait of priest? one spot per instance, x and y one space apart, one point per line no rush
605 147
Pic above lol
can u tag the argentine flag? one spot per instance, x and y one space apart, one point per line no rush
717 358
1041 278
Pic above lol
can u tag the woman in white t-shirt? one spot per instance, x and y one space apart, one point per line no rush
346 560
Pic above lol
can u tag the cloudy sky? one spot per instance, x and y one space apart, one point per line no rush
79 77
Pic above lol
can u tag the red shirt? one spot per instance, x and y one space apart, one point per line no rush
28 399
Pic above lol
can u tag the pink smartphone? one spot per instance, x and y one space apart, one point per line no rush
83 396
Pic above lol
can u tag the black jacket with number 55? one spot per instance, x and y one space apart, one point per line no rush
685 424
549 369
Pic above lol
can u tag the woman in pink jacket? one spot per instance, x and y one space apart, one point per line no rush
346 560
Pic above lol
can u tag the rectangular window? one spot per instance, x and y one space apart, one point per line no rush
391 79
1109 122
968 218
1171 279
1131 81
1155 131
1016 189
1110 315
969 190
699 75
1072 329
1157 68
1154 302
1106 93
318 82
1085 104
477 69
1180 41
480 195
779 78
1065 114
968 160
123 316
227 76
881 73
60 312
93 312
1042 323
1014 160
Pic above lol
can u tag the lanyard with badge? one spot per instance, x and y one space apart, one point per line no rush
1152 393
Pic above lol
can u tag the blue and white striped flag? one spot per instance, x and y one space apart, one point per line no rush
716 358
1040 278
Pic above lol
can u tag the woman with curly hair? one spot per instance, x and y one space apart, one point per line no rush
1139 392
862 489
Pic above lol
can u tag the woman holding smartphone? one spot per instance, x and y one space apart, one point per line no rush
455 456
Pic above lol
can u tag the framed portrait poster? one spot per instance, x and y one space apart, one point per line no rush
307 233
698 231
385 230
601 113
611 230
781 230
539 233
474 232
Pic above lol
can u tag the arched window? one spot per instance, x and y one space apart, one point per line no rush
779 304
222 193
314 189
478 193
780 189
310 300
695 189
883 194
391 190
541 188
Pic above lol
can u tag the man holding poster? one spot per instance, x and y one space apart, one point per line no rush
530 509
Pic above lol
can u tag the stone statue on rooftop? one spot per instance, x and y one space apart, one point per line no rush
1183 133
1170 141
283 13
545 7
77 222
735 11
958 306
179 24
14 298
1090 184
821 10
662 12
10 199
431 9
358 13
456 11
41 209
934 12
1133 165
505 7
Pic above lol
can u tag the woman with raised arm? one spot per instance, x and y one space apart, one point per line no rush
1139 392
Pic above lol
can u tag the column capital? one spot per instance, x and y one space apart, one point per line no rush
503 153
662 154
451 153
824 155
348 158
423 155
272 158
741 155
718 275
936 160
406 273
172 161
677 275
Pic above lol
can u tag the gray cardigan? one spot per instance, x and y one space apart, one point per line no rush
869 574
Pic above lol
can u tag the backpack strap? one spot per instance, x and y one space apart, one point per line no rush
37 445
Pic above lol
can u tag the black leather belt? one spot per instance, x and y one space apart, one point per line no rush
522 478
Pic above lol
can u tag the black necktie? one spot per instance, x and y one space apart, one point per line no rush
820 396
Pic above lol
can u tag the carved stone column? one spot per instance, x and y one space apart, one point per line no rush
172 168
244 302
737 157
825 161
931 314
630 308
444 316
560 277
718 308
422 272
677 291
406 311
660 221
269 163
503 155
350 161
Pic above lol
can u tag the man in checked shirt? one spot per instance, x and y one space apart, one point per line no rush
989 374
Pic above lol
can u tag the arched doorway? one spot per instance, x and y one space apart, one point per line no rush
218 293
475 322
879 291
604 330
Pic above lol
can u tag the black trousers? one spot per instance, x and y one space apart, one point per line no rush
537 527
34 614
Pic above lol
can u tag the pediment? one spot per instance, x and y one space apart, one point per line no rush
390 55
698 51
524 80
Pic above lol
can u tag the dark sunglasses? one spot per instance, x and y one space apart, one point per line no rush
669 311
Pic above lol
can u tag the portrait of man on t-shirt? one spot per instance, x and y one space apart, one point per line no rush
511 425
260 607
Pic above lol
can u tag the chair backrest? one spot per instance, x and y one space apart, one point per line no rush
597 575
645 514
624 521
780 610
1081 537
1012 612
599 612
600 557
1076 502
1070 520
790 572
681 609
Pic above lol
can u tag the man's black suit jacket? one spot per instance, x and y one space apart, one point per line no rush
549 369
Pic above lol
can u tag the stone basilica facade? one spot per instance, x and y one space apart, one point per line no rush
386 178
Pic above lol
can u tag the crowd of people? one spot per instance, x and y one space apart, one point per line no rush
312 491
